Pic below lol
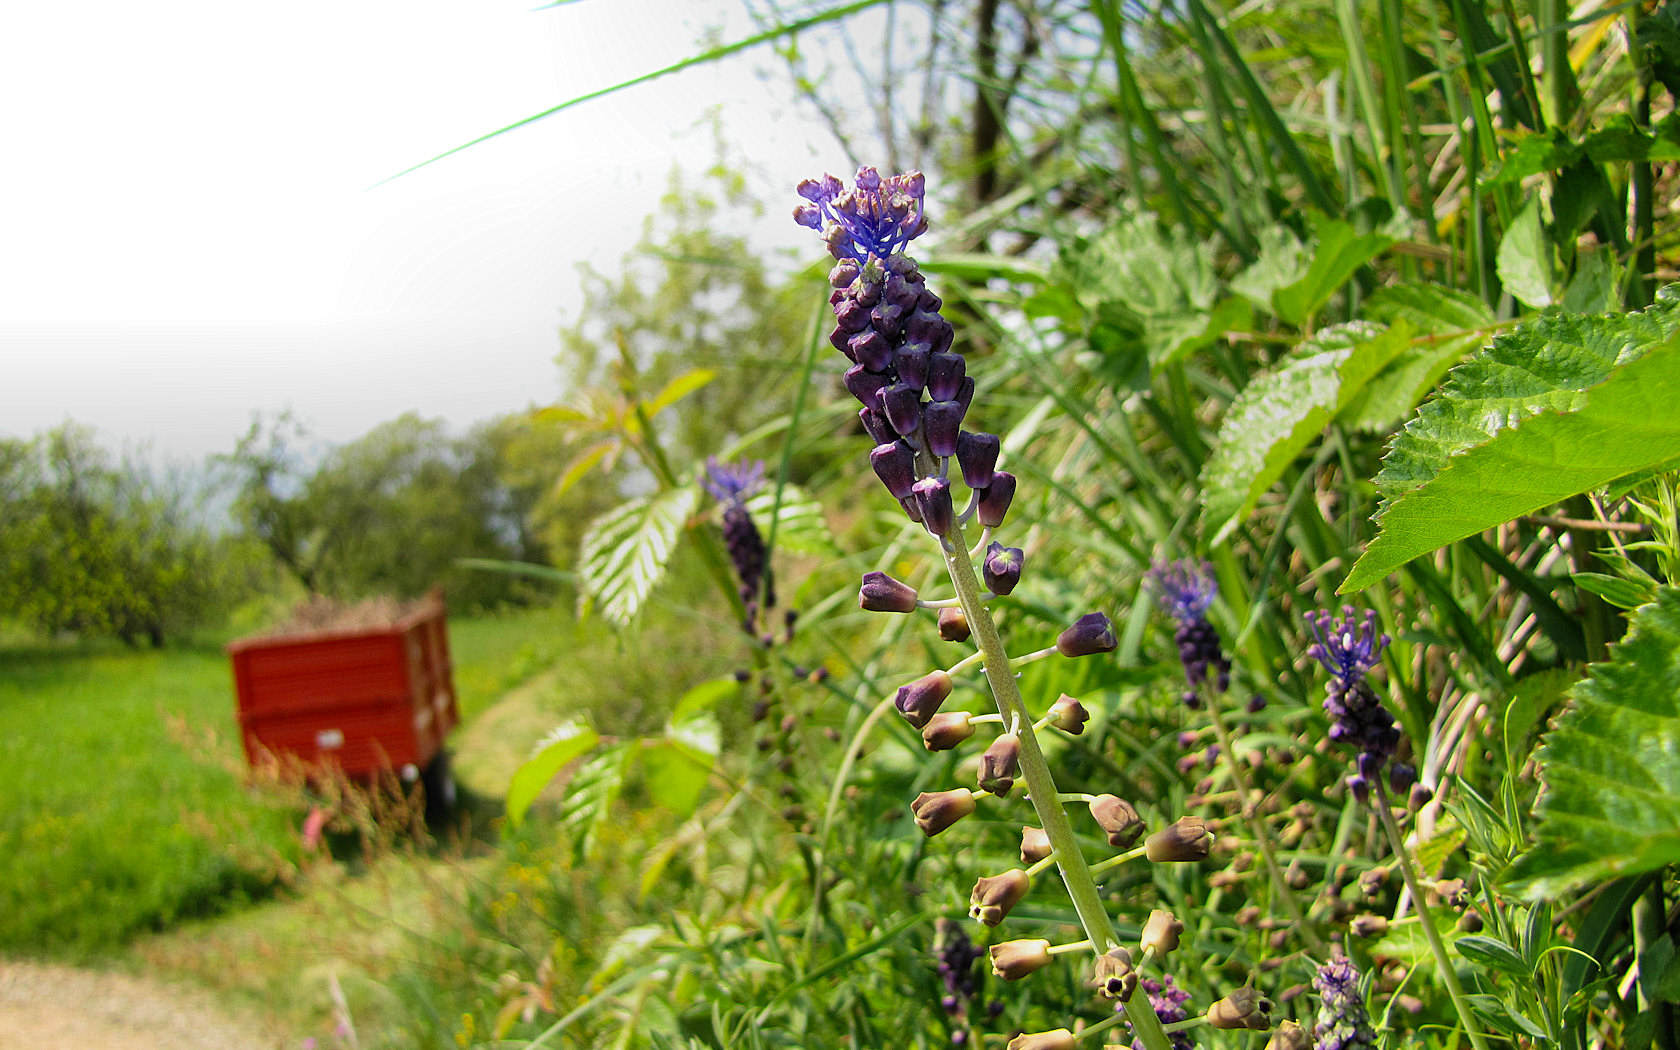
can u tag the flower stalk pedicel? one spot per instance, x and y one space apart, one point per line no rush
889 326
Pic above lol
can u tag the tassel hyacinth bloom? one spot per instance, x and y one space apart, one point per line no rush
1349 648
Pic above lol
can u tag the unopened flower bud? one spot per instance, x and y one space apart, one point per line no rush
1371 882
933 498
1419 796
871 349
1453 892
1470 922
994 895
1401 777
895 465
941 425
911 361
881 593
1001 570
1090 634
1013 960
937 810
876 426
1369 926
995 499
977 454
945 376
866 386
1360 788
1059 1039
945 731
1118 818
1114 975
902 404
953 625
1289 1036
1186 839
1161 932
1000 764
1297 877
920 700
1069 715
1244 1008
1035 845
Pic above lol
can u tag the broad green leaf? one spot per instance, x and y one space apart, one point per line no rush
1618 138
677 765
1294 280
1618 591
799 524
1543 365
1450 324
705 697
1280 412
1623 424
1596 286
590 796
1150 289
679 388
625 550
1610 798
1524 259
551 755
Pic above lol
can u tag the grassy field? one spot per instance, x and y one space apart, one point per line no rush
123 809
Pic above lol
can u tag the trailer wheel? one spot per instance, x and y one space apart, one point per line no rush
438 782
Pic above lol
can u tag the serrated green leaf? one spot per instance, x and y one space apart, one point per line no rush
626 550
1492 953
1451 323
590 795
1524 259
799 524
1623 424
1280 412
1610 798
552 754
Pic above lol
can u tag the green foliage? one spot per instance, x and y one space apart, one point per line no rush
626 551
1612 778
1556 407
552 753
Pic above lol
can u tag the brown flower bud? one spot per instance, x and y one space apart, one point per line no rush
1453 892
953 625
1035 845
1060 1039
1161 932
1470 922
881 593
919 701
1118 819
1289 1036
1371 882
994 895
1089 635
1297 877
1013 960
1247 916
1243 1008
947 730
1114 975
937 810
999 765
1369 926
1069 715
1187 839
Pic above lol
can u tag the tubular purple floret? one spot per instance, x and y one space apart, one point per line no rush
977 455
895 465
1001 570
933 499
1089 635
995 499
942 425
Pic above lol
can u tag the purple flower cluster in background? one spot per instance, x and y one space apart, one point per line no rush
1168 1000
1349 647
957 956
1185 590
732 484
913 387
1343 1023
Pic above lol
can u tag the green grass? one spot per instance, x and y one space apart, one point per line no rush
122 809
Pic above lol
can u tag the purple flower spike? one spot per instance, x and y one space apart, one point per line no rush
733 483
1185 589
1343 1023
994 501
895 465
1002 568
1348 648
877 219
1089 635
942 423
977 454
933 497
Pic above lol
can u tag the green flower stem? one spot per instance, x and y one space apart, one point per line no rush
1257 827
1041 783
1109 1022
964 664
1433 936
942 603
1071 946
1115 861
1040 865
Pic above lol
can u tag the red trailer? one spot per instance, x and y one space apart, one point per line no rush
367 699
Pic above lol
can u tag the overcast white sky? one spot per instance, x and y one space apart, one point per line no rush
187 228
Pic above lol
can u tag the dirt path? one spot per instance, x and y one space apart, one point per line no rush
46 1007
